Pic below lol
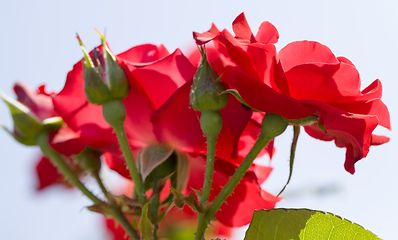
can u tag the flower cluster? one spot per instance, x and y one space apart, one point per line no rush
304 83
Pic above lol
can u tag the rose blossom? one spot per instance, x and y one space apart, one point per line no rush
303 80
158 111
63 140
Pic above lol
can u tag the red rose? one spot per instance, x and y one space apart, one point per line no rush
63 140
158 110
304 80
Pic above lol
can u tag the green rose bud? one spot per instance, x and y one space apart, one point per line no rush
104 78
90 160
26 124
206 88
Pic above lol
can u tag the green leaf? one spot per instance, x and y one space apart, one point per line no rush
303 224
182 171
145 225
152 156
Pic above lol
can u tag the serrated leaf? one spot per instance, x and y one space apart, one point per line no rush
303 224
145 225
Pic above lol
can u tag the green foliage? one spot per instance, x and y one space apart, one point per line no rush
145 225
303 224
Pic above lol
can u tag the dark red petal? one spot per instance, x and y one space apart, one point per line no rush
177 124
375 107
345 60
267 67
235 118
378 140
242 29
249 137
351 131
161 79
267 33
203 38
115 161
238 53
40 104
66 141
47 174
145 53
139 108
247 196
303 52
262 172
261 97
116 230
325 83
83 117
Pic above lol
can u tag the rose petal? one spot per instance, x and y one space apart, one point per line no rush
242 29
303 52
203 38
47 174
177 124
263 98
347 130
40 104
267 33
145 53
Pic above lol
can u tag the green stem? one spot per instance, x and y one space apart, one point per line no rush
128 156
211 152
211 124
101 185
117 212
261 142
154 212
119 216
272 126
58 161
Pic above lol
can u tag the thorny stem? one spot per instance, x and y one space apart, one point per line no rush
211 124
128 156
58 161
272 126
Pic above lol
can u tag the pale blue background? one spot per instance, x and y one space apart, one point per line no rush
38 45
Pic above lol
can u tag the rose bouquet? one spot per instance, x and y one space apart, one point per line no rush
186 128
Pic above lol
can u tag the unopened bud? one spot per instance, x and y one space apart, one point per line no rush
26 124
273 125
114 113
104 78
90 160
206 88
115 76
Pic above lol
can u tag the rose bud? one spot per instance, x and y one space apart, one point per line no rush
206 88
27 124
90 160
104 78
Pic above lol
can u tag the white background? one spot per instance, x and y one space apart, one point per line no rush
38 45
